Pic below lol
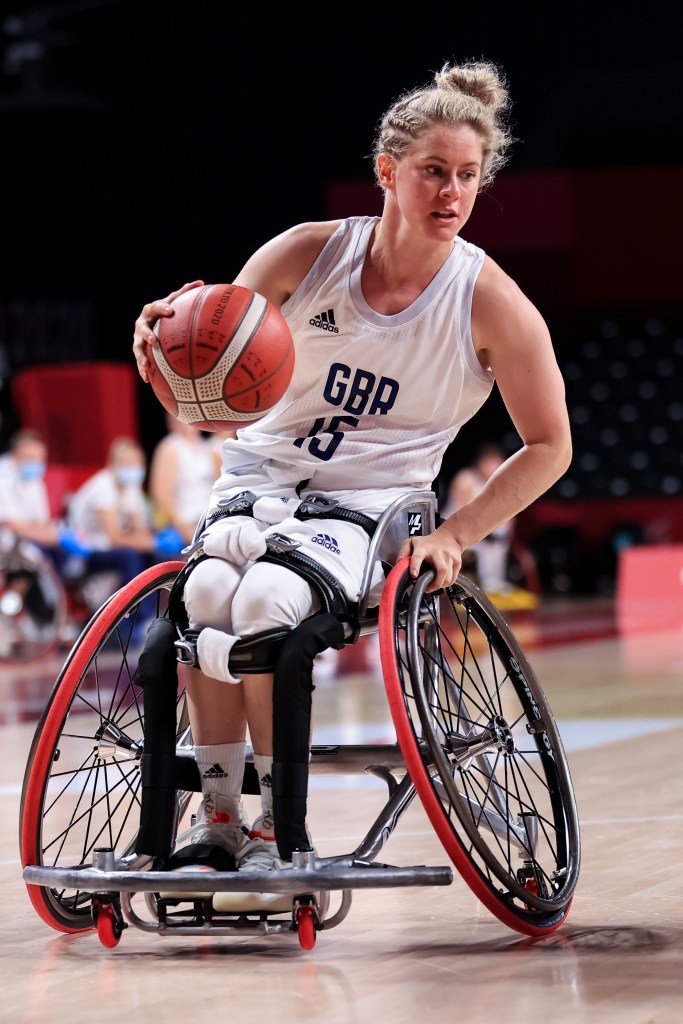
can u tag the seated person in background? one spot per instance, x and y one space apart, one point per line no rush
24 501
184 467
488 558
28 530
109 513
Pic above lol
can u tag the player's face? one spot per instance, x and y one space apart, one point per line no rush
436 182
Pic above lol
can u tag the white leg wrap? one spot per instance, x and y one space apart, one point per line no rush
213 652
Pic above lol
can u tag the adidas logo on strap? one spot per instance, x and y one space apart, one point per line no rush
326 541
215 772
325 321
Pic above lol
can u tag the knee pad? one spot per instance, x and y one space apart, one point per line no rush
271 597
208 593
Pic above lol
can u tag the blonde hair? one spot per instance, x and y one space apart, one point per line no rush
475 93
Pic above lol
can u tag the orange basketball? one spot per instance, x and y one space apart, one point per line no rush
224 358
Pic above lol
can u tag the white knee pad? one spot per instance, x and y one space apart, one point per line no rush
271 597
209 592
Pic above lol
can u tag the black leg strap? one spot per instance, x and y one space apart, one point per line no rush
157 674
292 688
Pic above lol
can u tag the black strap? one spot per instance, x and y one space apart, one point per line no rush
318 507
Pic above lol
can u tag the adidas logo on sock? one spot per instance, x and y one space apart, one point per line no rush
325 321
326 541
266 780
215 772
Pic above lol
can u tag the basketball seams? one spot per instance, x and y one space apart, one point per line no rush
212 381
204 398
264 380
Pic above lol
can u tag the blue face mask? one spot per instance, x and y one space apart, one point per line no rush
32 470
130 475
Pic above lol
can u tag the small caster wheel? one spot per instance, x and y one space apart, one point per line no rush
109 925
530 883
305 926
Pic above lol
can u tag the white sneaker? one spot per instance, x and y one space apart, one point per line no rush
231 837
258 853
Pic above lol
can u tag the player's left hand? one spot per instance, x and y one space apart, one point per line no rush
440 550
144 336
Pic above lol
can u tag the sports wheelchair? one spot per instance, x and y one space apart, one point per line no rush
476 741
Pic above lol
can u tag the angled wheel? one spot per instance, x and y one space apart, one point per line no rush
82 781
33 605
482 748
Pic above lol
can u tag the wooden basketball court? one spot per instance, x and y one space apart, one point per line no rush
413 954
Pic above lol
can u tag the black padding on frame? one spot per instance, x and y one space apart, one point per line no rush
292 689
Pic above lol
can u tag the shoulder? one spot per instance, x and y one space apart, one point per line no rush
280 265
495 289
500 308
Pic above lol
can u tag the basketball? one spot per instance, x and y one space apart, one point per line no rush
223 360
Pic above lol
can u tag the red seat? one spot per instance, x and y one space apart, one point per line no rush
79 408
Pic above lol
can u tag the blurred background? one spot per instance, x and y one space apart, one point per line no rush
144 146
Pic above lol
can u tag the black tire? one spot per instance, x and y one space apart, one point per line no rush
81 789
482 748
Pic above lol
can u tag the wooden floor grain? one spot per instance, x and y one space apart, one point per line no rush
412 955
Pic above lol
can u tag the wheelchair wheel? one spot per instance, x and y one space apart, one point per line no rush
81 786
482 748
33 605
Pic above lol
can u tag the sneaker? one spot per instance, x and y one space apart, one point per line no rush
258 853
228 837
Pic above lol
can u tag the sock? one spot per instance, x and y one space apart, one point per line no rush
264 769
221 767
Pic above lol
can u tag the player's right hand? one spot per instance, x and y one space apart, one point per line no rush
144 326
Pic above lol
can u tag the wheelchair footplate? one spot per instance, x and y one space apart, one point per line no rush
193 902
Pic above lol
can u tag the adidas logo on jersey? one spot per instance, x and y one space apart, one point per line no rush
326 541
215 772
325 321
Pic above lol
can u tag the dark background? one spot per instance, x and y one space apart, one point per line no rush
143 146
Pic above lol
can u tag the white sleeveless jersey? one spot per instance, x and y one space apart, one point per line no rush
374 400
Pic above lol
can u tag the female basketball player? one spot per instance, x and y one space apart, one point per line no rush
424 324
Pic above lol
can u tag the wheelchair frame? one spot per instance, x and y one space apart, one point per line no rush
476 742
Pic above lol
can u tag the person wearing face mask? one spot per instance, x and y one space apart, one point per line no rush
109 513
24 503
28 535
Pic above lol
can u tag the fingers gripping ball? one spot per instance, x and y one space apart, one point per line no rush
224 358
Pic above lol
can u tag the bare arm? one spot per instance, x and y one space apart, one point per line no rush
139 537
275 271
512 338
162 483
39 533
